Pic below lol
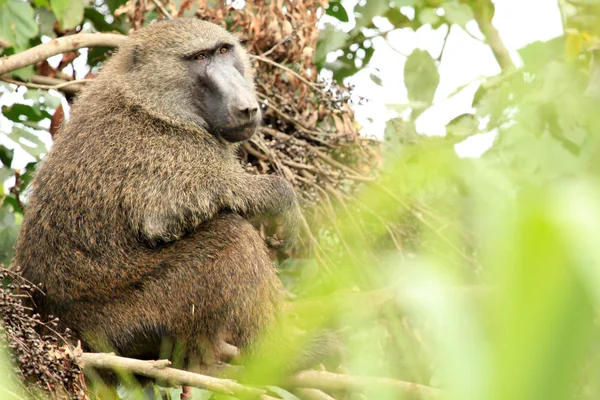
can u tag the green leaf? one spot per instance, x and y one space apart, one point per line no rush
368 55
542 320
99 21
371 9
8 237
393 128
47 19
114 4
59 7
17 23
28 141
396 18
96 55
43 97
421 77
538 54
375 79
337 10
27 174
5 173
458 14
6 156
404 3
428 16
330 40
16 111
41 4
461 127
68 12
342 68
24 73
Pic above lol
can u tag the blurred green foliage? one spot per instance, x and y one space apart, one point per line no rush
490 266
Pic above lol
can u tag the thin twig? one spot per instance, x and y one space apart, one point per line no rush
318 153
162 9
300 127
283 67
59 86
385 225
423 220
391 46
15 274
285 39
12 394
483 11
445 43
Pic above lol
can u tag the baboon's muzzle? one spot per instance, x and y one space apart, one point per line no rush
233 110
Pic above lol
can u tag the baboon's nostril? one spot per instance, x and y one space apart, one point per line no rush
249 111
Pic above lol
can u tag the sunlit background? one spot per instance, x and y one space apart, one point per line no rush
466 59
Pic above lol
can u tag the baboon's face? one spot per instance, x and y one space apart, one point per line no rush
222 95
192 71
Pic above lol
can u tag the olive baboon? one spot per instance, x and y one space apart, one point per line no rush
137 225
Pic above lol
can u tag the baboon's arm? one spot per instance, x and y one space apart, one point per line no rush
268 195
164 206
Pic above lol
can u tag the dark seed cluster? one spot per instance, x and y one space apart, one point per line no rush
39 353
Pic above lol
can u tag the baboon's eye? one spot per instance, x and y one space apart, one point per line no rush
223 50
201 56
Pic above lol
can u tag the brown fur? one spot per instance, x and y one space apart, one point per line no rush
137 223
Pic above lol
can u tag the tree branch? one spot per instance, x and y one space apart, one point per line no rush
311 394
309 384
162 9
329 381
47 83
283 67
484 12
159 370
58 46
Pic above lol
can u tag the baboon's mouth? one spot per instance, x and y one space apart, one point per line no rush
239 132
238 128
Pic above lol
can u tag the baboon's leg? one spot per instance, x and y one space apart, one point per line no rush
215 284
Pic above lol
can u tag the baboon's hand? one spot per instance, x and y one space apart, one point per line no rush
291 226
288 209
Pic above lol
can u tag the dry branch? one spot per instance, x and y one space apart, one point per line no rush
331 382
48 83
162 9
159 370
58 46
310 384
484 12
311 394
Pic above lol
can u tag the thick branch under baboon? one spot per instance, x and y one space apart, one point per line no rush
311 384
160 370
58 46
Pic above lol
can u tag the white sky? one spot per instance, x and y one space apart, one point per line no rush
465 60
